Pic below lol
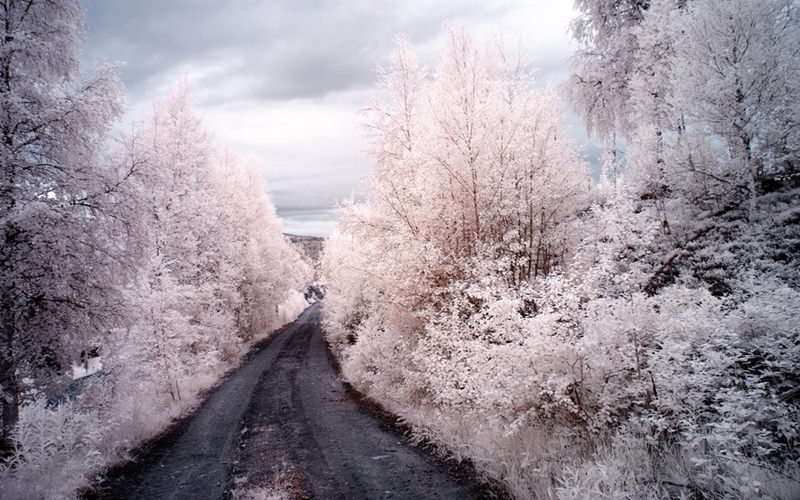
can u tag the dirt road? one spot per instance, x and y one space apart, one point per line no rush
285 414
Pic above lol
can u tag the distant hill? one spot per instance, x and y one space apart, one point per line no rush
311 245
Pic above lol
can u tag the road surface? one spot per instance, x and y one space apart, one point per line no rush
285 411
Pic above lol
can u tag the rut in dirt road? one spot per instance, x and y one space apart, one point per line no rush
286 409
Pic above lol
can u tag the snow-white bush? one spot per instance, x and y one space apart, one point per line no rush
520 396
651 352
57 449
621 469
289 309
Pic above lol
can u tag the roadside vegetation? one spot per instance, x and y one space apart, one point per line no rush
632 335
143 263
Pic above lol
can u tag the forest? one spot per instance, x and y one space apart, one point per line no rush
570 333
147 256
633 336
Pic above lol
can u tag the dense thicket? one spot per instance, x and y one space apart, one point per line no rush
150 255
636 337
472 167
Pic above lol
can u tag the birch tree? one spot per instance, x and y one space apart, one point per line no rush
214 266
56 264
474 171
736 71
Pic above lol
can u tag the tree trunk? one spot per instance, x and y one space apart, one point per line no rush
9 391
10 400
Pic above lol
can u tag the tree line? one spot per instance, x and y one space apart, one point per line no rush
628 334
150 246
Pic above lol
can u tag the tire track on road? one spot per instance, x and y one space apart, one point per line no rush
286 409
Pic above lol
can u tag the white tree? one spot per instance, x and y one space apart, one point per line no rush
56 263
215 266
160 334
266 269
680 78
477 295
471 159
476 185
736 72
605 65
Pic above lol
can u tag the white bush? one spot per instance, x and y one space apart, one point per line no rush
57 449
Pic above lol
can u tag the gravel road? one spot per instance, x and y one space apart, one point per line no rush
285 414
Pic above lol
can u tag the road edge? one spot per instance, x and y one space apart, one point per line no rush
145 453
463 471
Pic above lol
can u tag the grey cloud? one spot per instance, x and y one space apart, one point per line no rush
309 214
256 54
314 222
282 49
309 193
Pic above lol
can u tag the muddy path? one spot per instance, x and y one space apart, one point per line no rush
286 416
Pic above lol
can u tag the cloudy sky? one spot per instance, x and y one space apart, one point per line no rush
281 81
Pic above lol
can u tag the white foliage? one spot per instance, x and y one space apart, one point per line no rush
57 198
654 356
162 253
56 449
